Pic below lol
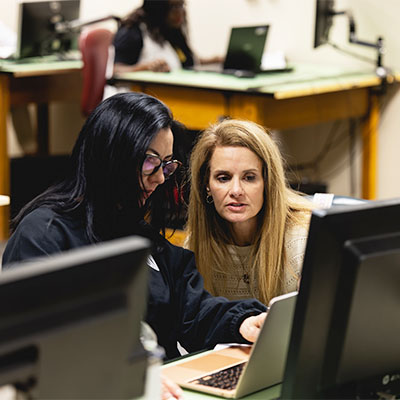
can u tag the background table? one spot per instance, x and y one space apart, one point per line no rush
308 95
39 83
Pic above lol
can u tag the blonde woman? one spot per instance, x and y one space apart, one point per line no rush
247 228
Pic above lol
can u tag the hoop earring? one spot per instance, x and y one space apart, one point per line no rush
209 199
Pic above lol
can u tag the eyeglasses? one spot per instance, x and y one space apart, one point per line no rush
152 164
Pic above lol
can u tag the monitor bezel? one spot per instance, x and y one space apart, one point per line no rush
20 52
324 13
76 313
368 280
329 231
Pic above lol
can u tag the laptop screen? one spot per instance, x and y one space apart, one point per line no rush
246 47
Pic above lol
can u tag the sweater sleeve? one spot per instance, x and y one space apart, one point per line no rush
295 244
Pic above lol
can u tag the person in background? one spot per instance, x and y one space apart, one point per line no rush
154 37
121 182
247 227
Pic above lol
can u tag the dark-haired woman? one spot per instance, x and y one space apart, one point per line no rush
122 173
154 37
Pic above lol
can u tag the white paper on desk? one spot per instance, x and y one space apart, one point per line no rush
8 41
273 60
6 51
323 200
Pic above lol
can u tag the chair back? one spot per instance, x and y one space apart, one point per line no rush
94 45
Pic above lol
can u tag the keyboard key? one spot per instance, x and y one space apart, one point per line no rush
225 379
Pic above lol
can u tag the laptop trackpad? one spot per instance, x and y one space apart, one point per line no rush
207 363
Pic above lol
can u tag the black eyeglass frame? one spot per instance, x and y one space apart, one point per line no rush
162 164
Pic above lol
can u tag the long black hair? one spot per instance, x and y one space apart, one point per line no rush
103 184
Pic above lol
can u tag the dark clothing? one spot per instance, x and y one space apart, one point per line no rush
179 309
128 44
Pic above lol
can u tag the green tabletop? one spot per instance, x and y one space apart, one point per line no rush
305 79
38 65
270 393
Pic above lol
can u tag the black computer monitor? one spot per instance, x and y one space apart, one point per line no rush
324 13
70 323
37 35
345 341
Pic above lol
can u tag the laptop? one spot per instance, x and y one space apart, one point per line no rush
257 367
245 53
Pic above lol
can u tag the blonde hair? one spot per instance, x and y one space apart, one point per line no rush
283 207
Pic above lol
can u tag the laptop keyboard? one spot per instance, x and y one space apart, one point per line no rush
225 379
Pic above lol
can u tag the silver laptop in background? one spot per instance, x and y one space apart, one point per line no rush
264 362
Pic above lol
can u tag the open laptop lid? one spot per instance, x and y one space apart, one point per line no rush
266 360
268 356
246 48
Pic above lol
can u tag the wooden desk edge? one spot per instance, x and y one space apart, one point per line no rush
23 74
327 87
50 68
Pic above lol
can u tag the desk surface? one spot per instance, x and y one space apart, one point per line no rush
25 83
308 95
304 80
266 394
19 70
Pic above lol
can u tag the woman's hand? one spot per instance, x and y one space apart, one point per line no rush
169 389
249 329
251 326
157 66
212 60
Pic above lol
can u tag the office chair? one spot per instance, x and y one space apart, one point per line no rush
94 45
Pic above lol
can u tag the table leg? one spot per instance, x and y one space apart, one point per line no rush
43 129
370 149
4 159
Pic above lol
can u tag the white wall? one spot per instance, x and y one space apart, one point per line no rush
292 30
292 26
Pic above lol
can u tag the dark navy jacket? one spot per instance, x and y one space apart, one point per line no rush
179 309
